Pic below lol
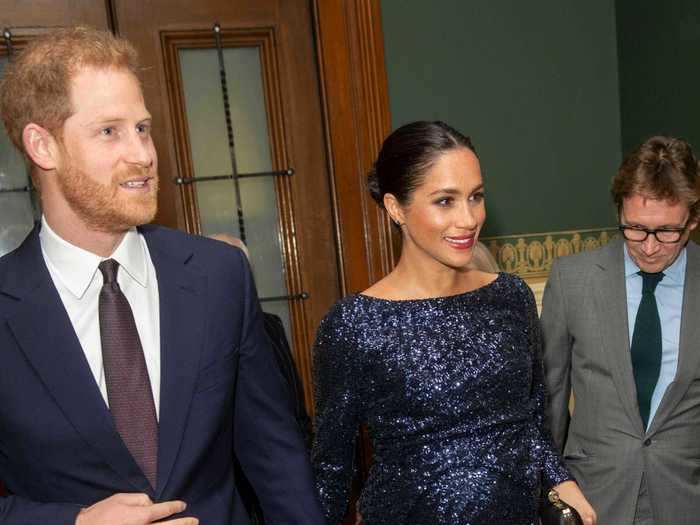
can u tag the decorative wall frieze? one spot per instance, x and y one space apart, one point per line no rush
531 255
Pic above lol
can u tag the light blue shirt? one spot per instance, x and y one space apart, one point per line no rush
669 301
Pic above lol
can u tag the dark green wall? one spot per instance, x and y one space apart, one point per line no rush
659 56
534 83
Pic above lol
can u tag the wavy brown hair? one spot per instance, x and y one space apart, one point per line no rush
663 168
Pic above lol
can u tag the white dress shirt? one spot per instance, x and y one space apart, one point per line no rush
76 277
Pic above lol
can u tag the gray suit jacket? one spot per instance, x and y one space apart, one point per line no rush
586 351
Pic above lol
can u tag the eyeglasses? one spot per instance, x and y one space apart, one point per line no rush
663 235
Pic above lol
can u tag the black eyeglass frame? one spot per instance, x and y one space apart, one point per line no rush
624 227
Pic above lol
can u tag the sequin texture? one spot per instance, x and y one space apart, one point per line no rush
452 392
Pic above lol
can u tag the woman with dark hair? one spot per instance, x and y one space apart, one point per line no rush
440 360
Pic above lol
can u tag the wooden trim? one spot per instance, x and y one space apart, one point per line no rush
264 39
350 48
171 43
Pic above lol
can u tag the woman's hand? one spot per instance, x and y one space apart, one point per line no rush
570 493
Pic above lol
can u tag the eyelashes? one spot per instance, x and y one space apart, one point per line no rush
476 197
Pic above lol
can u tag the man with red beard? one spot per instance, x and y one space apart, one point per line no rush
119 342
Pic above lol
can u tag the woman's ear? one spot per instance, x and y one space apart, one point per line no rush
40 146
394 209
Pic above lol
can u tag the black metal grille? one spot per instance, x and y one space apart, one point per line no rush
235 175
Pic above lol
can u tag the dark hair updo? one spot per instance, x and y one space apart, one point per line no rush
407 154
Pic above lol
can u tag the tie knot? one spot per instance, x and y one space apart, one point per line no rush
109 269
650 280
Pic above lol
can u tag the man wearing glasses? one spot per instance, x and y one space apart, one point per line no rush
621 330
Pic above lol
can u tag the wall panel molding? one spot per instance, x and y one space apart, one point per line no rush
531 255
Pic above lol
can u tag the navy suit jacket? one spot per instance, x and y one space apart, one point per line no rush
221 394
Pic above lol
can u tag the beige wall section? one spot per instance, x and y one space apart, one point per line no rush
537 287
531 255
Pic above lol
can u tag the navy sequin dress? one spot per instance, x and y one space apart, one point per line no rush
451 390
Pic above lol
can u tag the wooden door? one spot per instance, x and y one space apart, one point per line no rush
277 35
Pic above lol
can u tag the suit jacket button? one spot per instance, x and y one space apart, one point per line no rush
647 442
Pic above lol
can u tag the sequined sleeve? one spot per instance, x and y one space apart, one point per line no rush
553 469
336 423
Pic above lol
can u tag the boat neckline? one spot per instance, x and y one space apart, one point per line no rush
499 276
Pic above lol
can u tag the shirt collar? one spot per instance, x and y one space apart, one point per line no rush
674 273
76 267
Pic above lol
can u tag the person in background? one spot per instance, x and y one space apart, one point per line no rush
621 334
134 359
440 360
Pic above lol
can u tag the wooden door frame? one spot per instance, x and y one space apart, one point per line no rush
350 46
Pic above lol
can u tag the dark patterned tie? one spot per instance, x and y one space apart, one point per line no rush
128 385
646 344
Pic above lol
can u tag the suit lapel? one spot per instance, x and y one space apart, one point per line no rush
182 327
44 332
611 302
688 354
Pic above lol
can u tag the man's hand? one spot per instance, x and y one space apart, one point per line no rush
571 494
132 509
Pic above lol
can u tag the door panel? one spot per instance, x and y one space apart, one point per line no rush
25 18
291 229
216 201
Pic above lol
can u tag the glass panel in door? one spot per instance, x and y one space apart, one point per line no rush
210 157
